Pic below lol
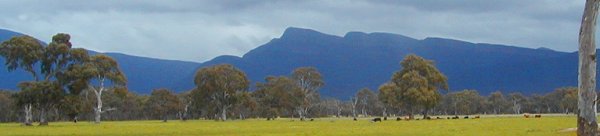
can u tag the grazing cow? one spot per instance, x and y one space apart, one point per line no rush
455 117
376 119
466 117
355 119
428 118
398 119
439 118
447 117
312 119
526 115
384 118
476 117
538 116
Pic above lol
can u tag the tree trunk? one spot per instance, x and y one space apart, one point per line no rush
384 112
98 110
224 114
28 115
586 118
43 120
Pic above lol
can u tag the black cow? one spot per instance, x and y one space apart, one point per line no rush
384 118
355 119
376 119
466 117
398 119
538 116
455 117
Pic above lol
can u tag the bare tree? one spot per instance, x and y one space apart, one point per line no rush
586 120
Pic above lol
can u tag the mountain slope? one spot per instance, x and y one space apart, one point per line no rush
359 60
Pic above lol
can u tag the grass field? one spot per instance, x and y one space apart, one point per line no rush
487 125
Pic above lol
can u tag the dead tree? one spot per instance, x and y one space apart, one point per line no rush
586 118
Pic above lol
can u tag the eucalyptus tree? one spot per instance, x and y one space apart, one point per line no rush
388 98
218 86
310 81
497 102
102 71
276 96
49 65
367 101
419 82
23 52
163 102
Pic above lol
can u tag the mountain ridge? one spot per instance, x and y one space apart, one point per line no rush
357 60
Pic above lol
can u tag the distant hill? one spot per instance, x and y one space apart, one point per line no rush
143 74
357 60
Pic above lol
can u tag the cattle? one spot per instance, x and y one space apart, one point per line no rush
384 118
455 117
538 116
439 118
447 117
355 119
428 118
466 117
376 119
312 119
398 119
526 115
476 117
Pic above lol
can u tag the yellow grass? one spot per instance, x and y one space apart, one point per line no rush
487 125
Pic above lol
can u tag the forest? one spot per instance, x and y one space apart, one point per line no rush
71 85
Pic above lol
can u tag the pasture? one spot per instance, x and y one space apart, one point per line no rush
487 125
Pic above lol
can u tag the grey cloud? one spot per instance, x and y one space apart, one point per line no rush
200 30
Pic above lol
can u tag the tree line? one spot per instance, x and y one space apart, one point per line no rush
70 84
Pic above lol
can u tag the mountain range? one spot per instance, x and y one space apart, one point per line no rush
361 60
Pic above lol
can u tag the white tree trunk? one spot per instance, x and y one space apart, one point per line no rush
98 92
28 115
586 120
98 109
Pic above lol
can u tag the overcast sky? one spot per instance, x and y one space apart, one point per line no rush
199 30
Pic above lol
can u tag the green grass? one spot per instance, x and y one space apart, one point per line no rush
501 126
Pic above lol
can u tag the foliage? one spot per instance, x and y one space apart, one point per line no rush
219 85
418 83
163 102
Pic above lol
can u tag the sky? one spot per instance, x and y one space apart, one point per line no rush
199 30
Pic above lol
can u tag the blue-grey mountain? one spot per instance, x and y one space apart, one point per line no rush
357 60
